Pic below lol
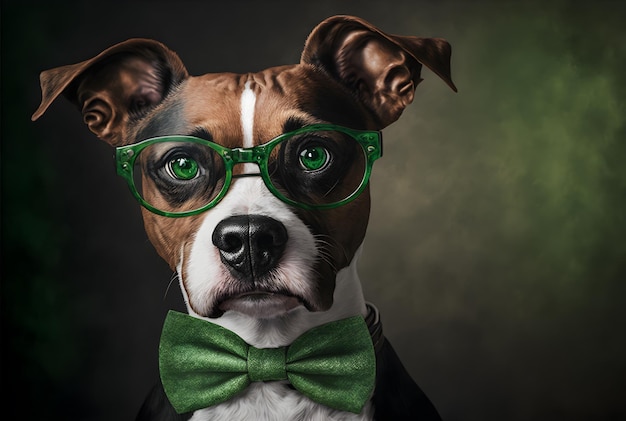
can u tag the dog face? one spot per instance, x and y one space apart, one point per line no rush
255 109
252 253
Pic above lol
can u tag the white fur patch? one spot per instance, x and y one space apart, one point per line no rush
248 101
275 402
205 271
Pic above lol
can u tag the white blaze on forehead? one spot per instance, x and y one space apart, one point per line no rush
248 101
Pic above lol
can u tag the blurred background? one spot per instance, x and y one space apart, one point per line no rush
497 245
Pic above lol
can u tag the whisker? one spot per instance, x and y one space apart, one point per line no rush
173 278
325 245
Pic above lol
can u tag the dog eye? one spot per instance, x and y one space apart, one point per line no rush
183 168
314 158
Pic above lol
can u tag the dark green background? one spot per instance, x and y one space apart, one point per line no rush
496 250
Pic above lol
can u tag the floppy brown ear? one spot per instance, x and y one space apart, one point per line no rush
382 70
121 83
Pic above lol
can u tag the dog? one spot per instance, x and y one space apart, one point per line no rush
254 189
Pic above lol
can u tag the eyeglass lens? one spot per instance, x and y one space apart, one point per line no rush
312 168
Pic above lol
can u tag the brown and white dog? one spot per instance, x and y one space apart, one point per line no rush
351 74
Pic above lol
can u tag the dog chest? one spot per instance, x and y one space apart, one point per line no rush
276 401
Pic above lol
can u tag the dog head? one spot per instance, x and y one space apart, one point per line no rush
276 237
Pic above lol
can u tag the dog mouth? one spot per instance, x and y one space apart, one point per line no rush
258 303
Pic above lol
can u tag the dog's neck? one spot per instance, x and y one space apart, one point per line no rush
281 331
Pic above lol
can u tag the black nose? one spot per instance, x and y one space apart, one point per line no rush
250 245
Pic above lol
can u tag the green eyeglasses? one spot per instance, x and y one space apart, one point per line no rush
320 166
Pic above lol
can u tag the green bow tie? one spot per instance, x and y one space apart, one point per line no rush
203 364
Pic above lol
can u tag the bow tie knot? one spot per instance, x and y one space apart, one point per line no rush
203 364
267 364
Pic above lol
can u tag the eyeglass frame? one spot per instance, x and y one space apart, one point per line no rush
371 142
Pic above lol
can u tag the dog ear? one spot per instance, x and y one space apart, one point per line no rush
121 83
382 70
